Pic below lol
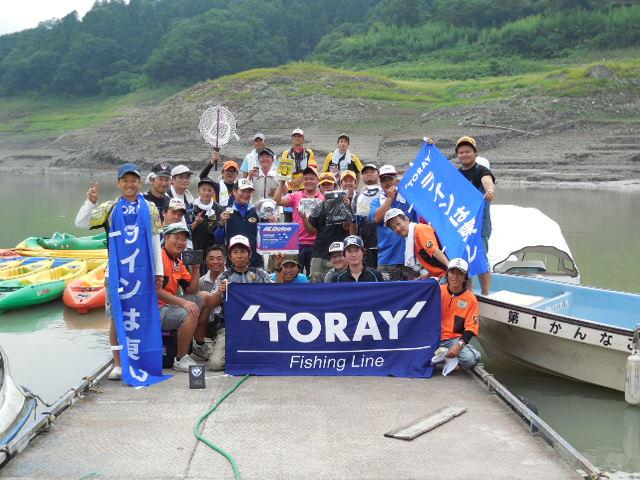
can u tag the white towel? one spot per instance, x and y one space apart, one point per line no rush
409 244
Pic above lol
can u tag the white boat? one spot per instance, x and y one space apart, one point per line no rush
524 241
579 332
537 315
16 406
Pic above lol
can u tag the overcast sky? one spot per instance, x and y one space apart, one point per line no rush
22 14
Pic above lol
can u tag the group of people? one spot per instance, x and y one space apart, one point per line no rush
385 240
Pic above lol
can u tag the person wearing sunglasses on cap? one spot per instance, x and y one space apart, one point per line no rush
356 270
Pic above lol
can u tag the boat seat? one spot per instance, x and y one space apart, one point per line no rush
516 298
521 267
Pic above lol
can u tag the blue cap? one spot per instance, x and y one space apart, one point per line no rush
128 168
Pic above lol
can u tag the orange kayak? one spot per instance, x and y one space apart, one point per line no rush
87 292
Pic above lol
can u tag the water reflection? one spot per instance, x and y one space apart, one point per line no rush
94 320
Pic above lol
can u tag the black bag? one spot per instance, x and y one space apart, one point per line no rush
169 347
337 210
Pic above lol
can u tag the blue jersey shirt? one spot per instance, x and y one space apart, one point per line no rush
300 278
391 245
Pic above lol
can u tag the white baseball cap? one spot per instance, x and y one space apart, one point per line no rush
259 136
297 131
388 170
392 213
239 240
245 184
336 247
180 169
460 264
176 204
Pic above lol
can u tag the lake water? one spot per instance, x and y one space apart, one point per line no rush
51 347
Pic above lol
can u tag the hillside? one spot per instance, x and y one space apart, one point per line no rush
122 46
581 120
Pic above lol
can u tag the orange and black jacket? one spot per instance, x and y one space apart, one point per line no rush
460 315
425 242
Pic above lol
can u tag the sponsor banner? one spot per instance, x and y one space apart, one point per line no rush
450 203
278 238
375 329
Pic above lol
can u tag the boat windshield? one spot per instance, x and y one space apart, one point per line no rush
540 259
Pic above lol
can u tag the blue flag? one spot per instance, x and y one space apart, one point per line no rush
450 203
374 329
132 291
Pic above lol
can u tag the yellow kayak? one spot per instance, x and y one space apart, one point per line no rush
11 263
25 270
65 273
44 252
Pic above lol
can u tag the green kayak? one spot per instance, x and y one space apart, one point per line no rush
66 241
31 295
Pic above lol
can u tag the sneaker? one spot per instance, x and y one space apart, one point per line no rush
183 364
115 373
202 351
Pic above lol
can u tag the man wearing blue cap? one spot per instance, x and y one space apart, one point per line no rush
92 216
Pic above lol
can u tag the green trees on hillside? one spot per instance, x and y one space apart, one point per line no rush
120 46
458 32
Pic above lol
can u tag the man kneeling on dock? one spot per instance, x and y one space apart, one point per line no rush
460 315
239 249
189 313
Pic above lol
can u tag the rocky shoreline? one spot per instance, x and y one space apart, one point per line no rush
570 142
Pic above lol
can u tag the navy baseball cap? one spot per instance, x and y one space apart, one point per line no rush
353 240
128 168
268 151
162 169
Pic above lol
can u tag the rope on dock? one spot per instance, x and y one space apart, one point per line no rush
198 431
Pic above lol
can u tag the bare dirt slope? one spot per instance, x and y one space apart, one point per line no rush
580 141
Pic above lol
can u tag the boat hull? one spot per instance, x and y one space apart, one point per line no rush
15 405
563 346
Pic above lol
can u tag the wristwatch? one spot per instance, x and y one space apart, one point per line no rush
461 343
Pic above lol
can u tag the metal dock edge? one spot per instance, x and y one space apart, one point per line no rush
566 451
46 415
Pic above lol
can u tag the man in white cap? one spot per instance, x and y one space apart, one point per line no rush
265 178
175 212
361 205
300 156
460 315
180 181
160 181
423 251
391 247
241 219
239 249
339 263
250 162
